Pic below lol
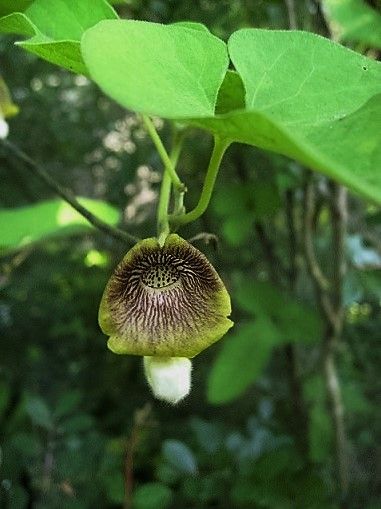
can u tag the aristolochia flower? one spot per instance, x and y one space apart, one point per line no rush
164 301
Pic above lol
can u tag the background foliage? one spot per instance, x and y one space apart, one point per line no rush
78 424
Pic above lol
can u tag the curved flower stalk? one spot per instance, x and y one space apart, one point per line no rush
165 302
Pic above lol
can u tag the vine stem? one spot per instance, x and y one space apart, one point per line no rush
219 149
168 164
68 196
163 227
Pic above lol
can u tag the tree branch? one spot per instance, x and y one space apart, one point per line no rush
301 419
276 268
142 420
292 237
329 296
320 281
338 207
68 196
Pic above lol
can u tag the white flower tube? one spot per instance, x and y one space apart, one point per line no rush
168 377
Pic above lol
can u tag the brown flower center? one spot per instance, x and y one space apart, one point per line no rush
160 276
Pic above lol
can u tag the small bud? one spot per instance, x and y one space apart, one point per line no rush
168 377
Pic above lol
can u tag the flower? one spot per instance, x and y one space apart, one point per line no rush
164 301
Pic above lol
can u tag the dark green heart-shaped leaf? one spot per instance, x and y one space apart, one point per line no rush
56 27
354 20
310 99
173 71
296 320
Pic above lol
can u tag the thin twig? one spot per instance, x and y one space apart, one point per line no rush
276 269
329 296
321 283
309 214
338 207
292 237
68 196
291 350
142 420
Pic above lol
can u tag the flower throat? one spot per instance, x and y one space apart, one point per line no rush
160 276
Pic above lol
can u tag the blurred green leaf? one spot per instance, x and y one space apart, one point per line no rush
371 281
280 478
114 484
152 496
266 198
170 71
57 42
39 412
233 199
241 360
354 20
297 104
8 6
32 223
237 229
202 491
265 495
209 435
320 429
17 497
310 491
355 402
296 320
67 403
77 424
274 463
257 199
26 444
178 455
167 474
4 397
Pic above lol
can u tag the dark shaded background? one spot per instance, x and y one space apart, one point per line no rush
77 422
